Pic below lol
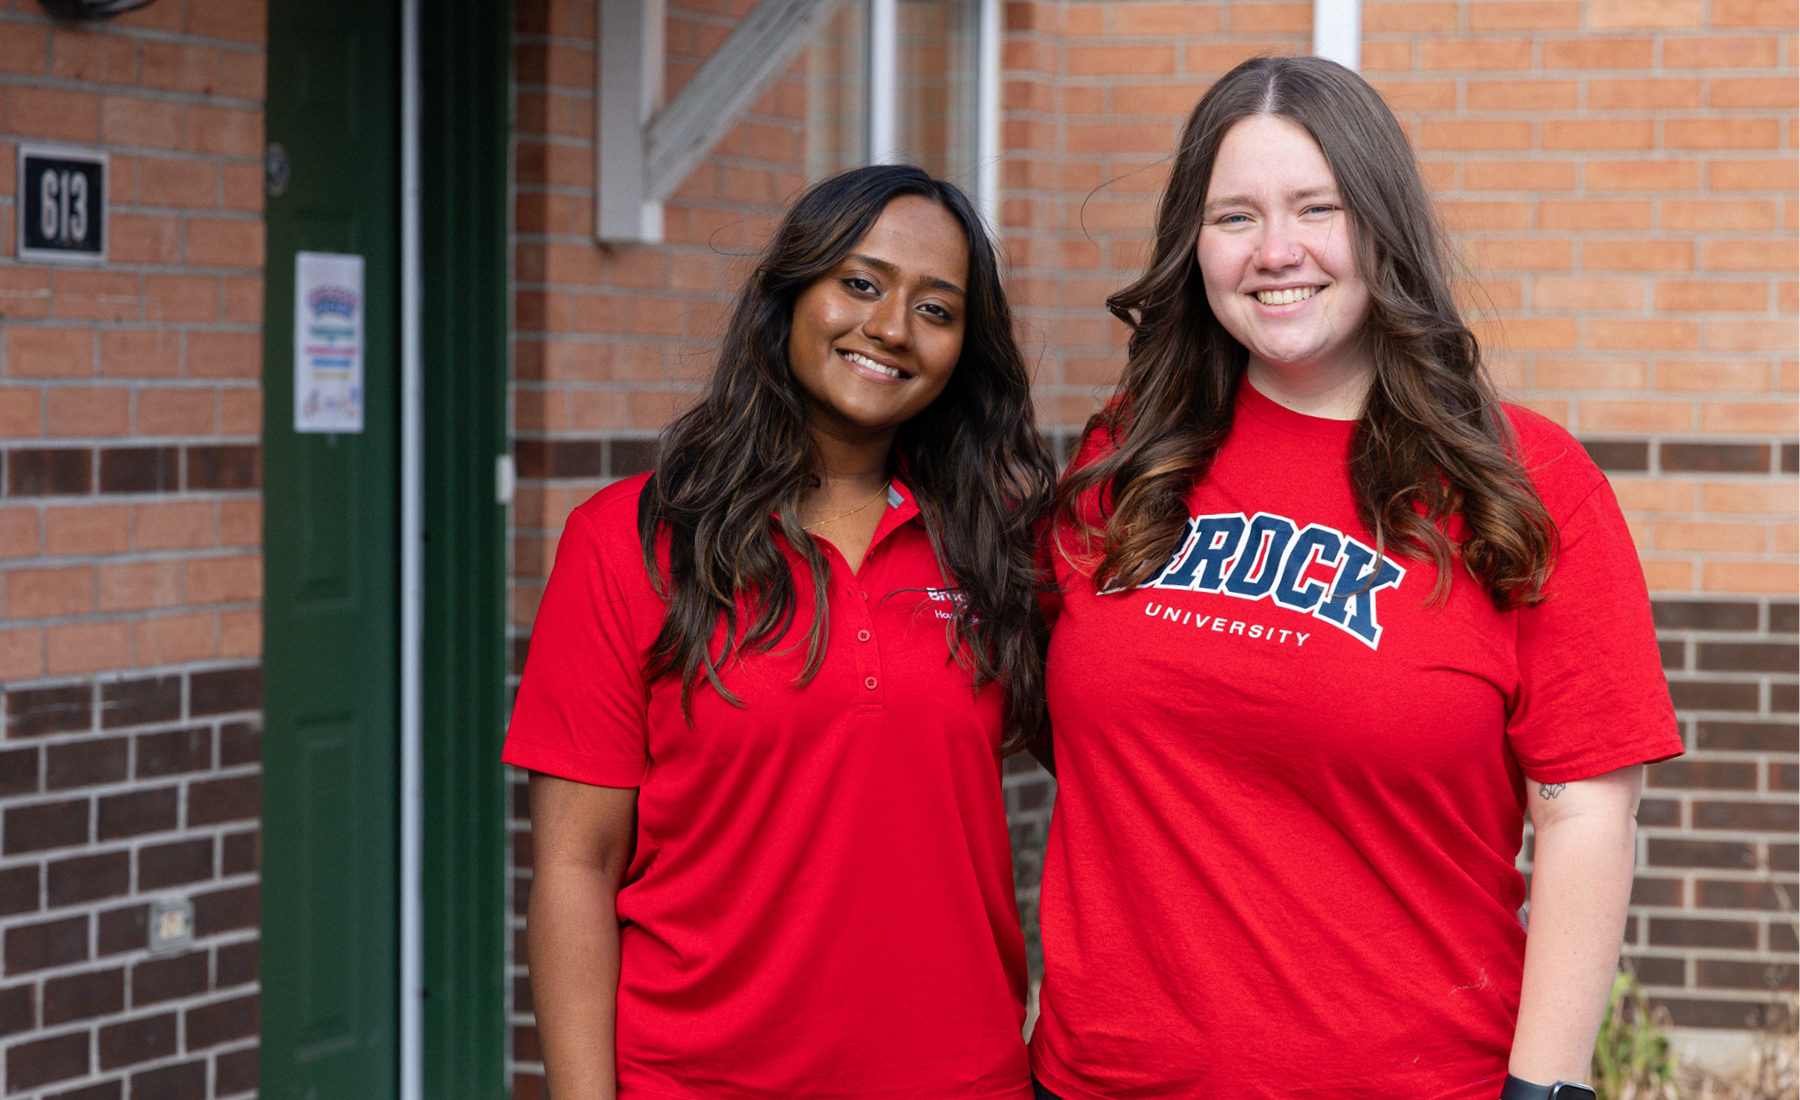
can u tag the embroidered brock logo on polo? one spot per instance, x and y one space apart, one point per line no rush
1312 569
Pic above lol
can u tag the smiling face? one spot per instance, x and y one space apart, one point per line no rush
874 340
1279 265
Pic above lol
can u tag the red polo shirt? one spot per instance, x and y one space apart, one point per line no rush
821 899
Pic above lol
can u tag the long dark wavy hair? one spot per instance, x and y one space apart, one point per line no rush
1432 441
973 458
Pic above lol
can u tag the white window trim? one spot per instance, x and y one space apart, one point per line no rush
1337 31
643 148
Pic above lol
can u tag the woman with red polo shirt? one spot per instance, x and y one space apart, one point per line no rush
769 689
1334 621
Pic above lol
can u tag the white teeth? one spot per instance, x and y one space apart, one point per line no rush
865 361
1286 297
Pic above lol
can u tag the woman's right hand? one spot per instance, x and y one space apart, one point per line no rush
581 838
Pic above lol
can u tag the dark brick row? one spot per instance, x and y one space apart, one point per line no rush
78 471
73 708
1686 456
584 458
1686 1012
1731 615
63 941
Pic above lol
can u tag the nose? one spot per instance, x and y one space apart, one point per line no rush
888 321
1278 249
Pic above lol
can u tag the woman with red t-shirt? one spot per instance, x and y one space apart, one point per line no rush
769 690
1334 621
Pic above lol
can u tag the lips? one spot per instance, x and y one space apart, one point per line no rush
1286 296
866 366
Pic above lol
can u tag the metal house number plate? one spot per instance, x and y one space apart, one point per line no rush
62 204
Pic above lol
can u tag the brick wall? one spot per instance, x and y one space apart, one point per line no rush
130 524
1619 178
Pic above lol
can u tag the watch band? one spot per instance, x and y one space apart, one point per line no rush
1517 1088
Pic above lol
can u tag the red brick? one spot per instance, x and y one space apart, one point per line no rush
144 239
225 130
139 586
1593 214
1587 293
1522 95
224 580
1729 335
1778 174
1702 376
1658 93
1473 135
1598 53
1611 133
49 352
1270 18
1686 296
22 653
1781 15
224 354
1488 216
1164 19
240 633
1641 334
224 242
1737 214
95 295
229 19
1524 15
1637 255
52 113
1475 55
25 49
1752 255
1717 53
87 411
1409 17
140 353
86 647
1614 15
1521 175
1722 133
1112 60
177 182
1590 374
170 639
1643 175
1377 56
86 57
175 412
84 529
240 522
142 123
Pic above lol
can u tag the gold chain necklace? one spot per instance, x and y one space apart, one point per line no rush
851 512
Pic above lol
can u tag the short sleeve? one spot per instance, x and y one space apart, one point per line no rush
1593 697
583 702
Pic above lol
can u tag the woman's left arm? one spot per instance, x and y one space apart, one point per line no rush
1586 850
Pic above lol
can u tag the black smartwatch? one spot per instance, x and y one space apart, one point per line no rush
1519 1089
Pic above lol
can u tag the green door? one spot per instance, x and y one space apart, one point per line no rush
330 838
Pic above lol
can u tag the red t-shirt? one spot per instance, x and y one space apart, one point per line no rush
1291 791
820 903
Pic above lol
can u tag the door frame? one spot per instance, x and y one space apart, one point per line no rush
449 954
465 74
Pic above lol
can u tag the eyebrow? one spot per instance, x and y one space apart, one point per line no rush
893 270
1244 200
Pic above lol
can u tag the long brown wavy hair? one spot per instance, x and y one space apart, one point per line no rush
973 458
1432 441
